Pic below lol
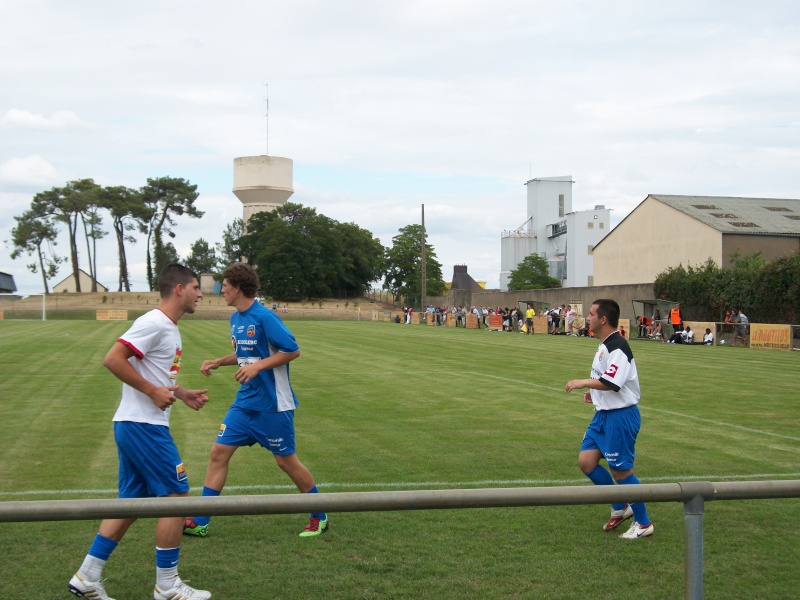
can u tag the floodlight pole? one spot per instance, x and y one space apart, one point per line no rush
424 287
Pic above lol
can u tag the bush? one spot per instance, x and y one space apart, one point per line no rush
768 292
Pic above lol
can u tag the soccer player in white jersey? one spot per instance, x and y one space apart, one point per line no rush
147 358
263 411
613 389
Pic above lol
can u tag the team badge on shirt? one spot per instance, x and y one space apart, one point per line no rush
176 365
180 472
251 331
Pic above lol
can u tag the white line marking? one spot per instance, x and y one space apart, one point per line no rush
658 410
739 427
381 486
528 383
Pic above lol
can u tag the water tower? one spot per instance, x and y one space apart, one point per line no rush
262 183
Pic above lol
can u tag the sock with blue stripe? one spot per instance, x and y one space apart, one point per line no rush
207 491
99 552
600 476
639 508
321 516
166 567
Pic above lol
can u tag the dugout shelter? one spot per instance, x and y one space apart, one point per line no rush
647 308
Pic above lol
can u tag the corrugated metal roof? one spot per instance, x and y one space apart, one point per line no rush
7 283
739 215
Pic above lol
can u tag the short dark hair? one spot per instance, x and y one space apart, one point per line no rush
244 277
608 309
173 275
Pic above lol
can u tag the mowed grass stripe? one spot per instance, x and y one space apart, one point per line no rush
436 392
711 422
386 406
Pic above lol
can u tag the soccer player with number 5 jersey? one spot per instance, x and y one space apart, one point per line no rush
613 389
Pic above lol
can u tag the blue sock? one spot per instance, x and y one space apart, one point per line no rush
639 508
102 547
207 491
320 516
167 557
600 476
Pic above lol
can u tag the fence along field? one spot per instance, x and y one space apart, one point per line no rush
384 406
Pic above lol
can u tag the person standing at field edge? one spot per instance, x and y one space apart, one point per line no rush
529 314
263 410
613 389
147 359
676 319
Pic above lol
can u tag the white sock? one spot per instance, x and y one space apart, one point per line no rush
166 578
92 568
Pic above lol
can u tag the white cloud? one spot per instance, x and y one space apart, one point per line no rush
23 119
29 172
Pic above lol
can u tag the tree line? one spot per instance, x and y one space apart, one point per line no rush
80 206
297 252
767 291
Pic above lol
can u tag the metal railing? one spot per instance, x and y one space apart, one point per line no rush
693 495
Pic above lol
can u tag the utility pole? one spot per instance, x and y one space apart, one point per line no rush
424 288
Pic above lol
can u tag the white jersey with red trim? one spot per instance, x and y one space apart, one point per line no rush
156 344
614 366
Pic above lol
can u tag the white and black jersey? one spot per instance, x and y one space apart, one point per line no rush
614 366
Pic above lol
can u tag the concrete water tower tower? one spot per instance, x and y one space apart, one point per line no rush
262 183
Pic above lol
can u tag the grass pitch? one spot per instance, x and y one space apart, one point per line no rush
386 406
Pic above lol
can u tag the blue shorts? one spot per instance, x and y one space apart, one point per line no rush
272 430
149 463
614 432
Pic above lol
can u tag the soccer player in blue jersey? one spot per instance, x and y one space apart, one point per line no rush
147 358
263 411
613 389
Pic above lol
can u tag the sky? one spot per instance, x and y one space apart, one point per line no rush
384 107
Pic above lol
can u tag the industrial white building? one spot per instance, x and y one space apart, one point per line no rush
565 239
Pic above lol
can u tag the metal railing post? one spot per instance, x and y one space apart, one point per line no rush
693 548
693 496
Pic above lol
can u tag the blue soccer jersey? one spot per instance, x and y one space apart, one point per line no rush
256 334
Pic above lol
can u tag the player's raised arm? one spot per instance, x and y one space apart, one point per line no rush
117 362
215 363
579 384
249 371
194 399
